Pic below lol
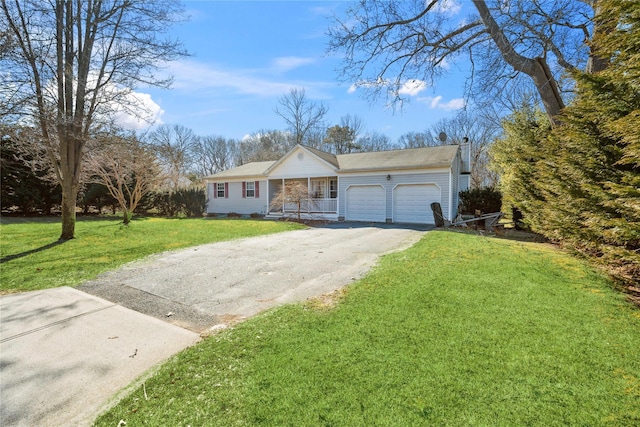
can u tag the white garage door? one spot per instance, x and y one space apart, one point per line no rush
412 203
366 203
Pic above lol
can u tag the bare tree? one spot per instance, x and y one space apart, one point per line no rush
213 154
480 131
174 145
314 138
387 43
341 139
127 167
300 113
292 193
417 140
72 62
374 141
354 122
264 145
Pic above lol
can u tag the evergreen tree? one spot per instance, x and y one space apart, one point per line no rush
24 188
515 157
579 183
594 176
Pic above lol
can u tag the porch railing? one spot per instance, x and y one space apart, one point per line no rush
313 206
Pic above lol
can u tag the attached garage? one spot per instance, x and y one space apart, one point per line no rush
366 203
412 203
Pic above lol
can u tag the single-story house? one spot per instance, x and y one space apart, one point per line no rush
386 186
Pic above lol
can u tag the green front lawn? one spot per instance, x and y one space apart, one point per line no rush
33 259
459 330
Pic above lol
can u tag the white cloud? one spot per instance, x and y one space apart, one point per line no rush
412 87
287 63
436 103
203 78
323 10
121 105
367 84
448 7
199 77
137 111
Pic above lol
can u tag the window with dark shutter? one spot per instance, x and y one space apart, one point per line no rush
221 190
250 189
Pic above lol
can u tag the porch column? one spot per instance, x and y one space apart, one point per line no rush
283 197
308 192
268 198
339 201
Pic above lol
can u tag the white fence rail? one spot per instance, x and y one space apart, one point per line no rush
313 206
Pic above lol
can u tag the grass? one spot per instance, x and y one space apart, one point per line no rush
458 330
32 258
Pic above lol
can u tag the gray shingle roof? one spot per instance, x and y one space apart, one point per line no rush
249 169
413 158
327 157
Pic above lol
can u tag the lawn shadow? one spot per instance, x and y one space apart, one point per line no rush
32 251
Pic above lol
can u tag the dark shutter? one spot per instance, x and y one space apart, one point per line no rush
244 189
215 190
257 191
226 190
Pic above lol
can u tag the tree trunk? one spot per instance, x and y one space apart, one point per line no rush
547 89
536 68
597 63
126 217
69 195
71 144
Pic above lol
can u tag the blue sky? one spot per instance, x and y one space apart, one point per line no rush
248 54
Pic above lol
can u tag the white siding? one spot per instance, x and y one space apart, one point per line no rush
235 202
464 182
301 163
439 178
455 187
465 158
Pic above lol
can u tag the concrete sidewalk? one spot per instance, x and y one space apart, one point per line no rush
64 354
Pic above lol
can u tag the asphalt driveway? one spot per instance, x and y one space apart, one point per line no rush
64 352
221 283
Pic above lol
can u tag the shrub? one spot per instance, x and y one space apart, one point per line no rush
193 201
24 189
189 202
486 200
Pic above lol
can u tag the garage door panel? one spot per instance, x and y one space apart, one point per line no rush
412 203
366 203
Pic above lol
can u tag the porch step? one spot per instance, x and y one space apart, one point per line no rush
271 216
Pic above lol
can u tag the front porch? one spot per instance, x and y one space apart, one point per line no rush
312 198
